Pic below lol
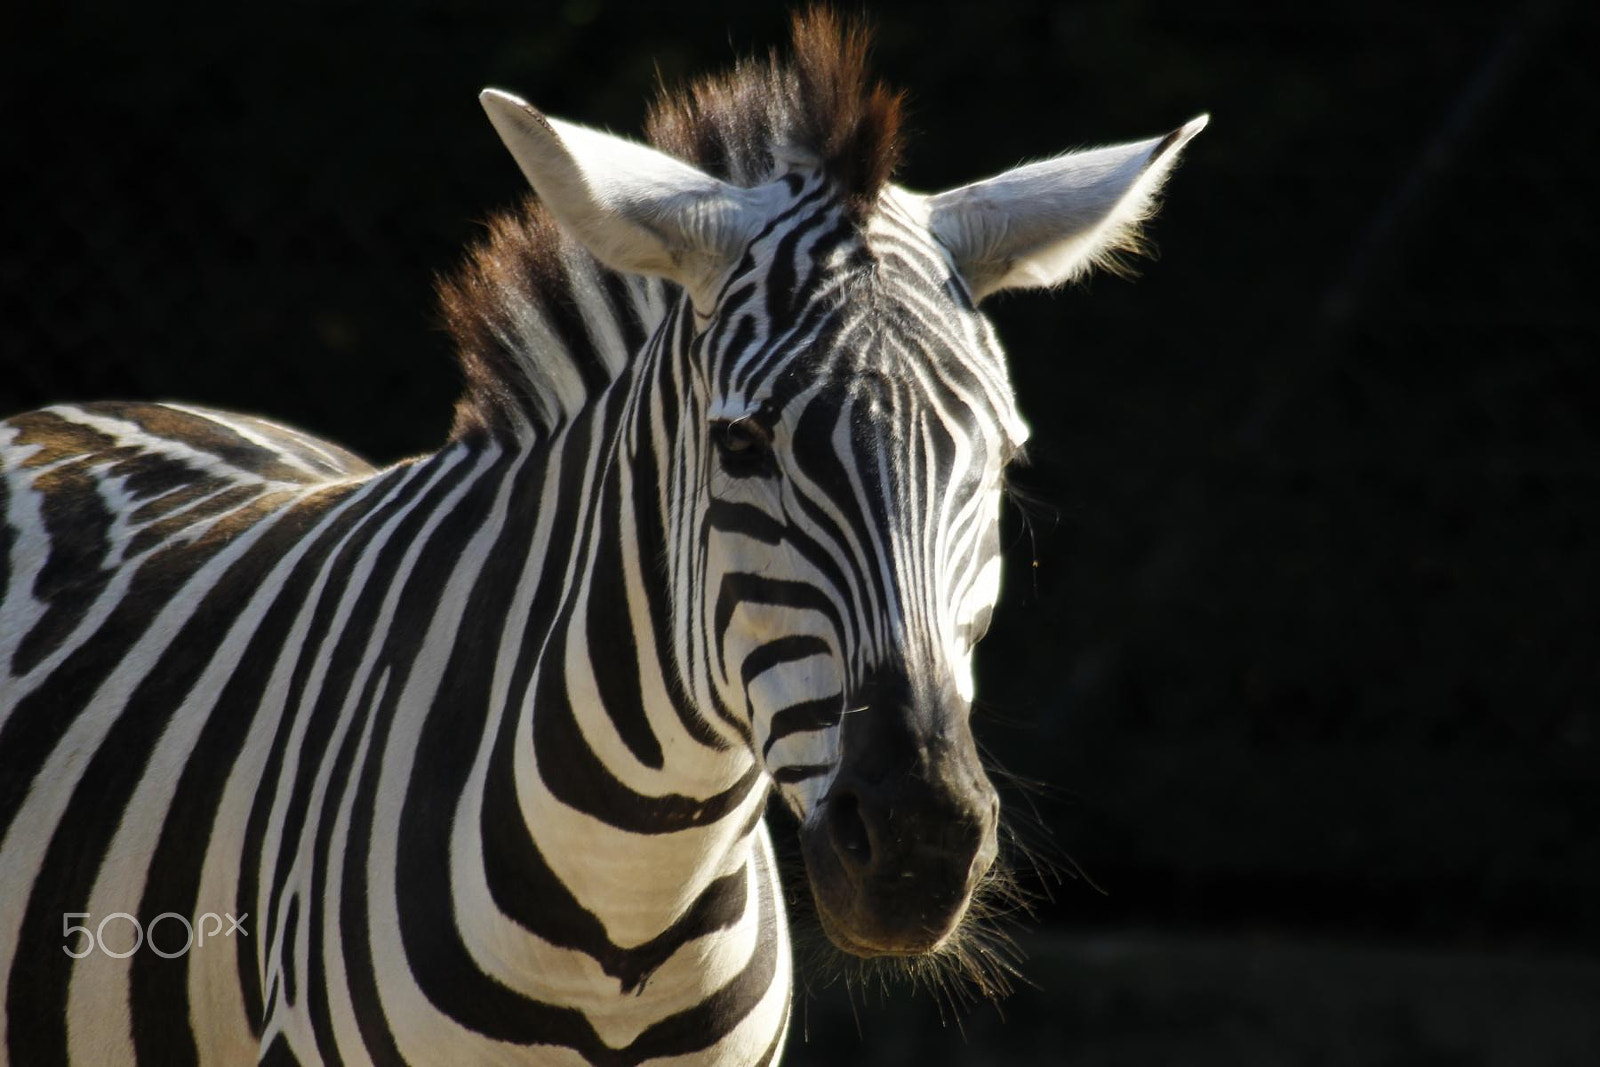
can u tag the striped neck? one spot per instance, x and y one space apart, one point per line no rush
610 815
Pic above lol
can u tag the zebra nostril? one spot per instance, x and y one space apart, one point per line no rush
850 838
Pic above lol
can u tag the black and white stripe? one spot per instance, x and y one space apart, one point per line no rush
478 745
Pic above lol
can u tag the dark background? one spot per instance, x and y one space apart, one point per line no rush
1304 635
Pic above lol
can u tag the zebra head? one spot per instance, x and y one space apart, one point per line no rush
838 418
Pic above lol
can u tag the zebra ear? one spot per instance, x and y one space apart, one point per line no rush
633 208
1046 223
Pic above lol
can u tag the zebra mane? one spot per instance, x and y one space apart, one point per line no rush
528 307
823 105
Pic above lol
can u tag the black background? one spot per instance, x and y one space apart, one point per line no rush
1302 635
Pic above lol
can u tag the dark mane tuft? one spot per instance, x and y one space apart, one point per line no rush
519 259
823 103
511 307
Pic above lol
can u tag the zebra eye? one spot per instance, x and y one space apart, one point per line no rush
743 439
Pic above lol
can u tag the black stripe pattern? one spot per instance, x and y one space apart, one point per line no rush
473 750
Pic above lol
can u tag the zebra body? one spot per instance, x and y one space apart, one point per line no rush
306 575
475 748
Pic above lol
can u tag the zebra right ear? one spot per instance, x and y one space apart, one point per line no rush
633 208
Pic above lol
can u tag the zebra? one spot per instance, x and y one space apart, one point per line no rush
472 751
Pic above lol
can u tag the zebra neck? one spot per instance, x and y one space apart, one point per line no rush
601 785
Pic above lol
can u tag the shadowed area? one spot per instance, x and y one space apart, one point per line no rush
1301 633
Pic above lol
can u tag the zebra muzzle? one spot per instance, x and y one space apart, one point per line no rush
904 834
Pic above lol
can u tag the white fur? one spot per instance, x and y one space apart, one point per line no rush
634 208
1045 223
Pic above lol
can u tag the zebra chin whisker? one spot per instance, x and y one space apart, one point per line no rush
979 963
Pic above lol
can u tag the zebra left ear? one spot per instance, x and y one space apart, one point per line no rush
1046 223
633 208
